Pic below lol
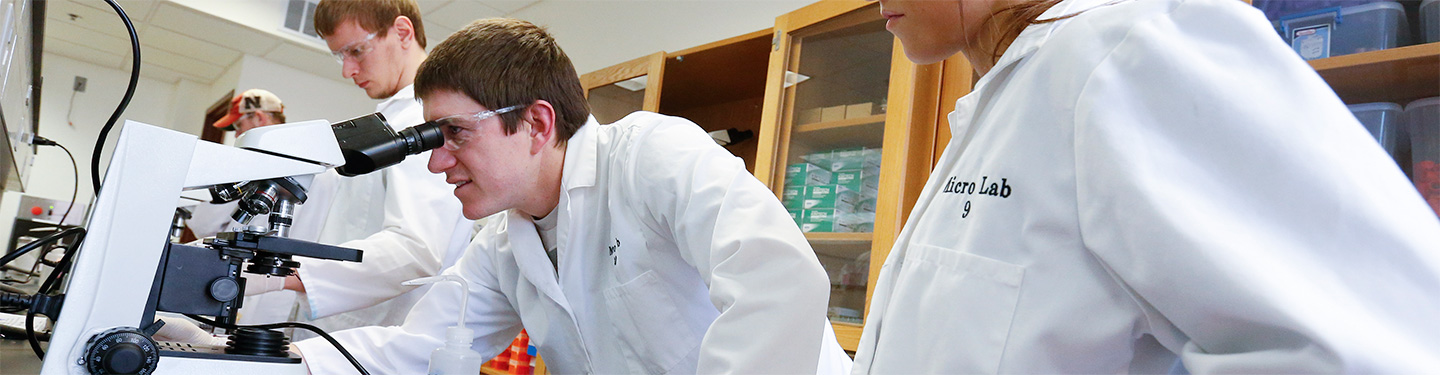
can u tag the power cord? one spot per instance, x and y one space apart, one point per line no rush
74 168
124 102
308 327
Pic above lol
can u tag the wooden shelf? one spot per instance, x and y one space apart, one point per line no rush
1397 75
848 334
847 246
849 122
866 131
825 238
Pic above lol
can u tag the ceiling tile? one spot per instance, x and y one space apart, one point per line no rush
75 51
171 41
181 63
427 6
459 13
168 75
435 33
214 30
307 60
89 38
508 6
137 10
59 11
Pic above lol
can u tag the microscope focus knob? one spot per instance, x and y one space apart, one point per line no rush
121 351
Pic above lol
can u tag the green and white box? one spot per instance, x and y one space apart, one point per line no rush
818 221
859 222
853 159
862 180
830 197
797 214
793 196
807 174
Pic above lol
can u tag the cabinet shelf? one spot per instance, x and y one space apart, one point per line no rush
848 334
1396 75
837 124
825 238
852 132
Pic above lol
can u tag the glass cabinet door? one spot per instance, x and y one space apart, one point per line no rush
850 123
616 91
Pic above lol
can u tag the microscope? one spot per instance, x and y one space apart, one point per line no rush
127 269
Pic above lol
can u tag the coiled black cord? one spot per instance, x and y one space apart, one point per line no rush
304 326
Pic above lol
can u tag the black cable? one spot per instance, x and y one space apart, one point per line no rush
40 242
125 102
46 287
74 191
308 327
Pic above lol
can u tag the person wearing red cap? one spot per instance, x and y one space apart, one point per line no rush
252 109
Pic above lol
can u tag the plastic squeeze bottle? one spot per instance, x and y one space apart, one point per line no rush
456 357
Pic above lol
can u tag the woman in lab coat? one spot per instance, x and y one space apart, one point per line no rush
1134 186
634 247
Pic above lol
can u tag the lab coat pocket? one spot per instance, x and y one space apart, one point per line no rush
951 312
652 331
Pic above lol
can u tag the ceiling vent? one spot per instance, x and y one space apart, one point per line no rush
300 17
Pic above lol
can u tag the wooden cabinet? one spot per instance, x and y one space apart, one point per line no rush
837 80
718 86
627 87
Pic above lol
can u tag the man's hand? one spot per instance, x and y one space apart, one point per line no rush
181 330
261 284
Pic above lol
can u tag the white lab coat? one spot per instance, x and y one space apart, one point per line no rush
405 220
1169 180
672 259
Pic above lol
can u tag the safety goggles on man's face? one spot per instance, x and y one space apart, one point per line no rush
460 128
355 51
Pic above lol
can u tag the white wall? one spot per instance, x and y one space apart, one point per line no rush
176 105
597 34
50 176
306 96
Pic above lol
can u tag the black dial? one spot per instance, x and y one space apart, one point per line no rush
121 351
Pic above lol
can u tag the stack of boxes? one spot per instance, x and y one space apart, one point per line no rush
834 191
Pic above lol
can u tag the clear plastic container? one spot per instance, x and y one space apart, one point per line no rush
1274 9
1423 121
1383 120
1337 31
1430 20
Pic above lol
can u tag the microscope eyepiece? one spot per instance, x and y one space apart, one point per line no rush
421 138
368 143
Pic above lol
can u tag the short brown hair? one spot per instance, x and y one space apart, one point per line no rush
278 117
500 62
375 16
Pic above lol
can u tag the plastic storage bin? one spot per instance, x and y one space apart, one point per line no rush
1423 121
1430 20
1383 120
1274 9
1340 31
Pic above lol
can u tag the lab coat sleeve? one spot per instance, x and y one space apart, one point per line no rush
1257 224
420 217
763 276
406 349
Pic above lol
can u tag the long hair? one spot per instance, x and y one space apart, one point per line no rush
1015 18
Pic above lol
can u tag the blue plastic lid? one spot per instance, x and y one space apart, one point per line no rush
1423 102
1374 107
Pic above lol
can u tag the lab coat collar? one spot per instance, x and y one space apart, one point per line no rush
406 94
530 255
1025 44
1035 36
580 158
